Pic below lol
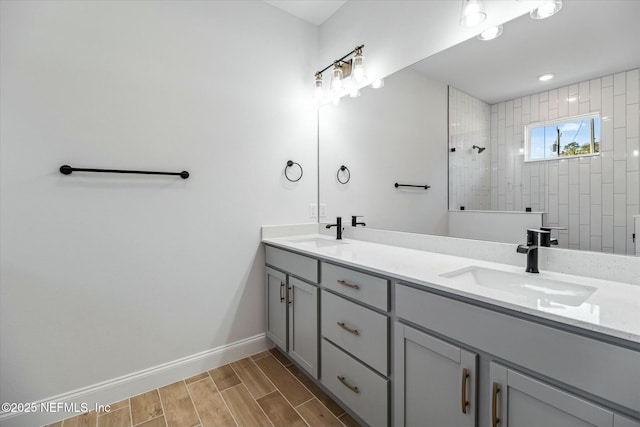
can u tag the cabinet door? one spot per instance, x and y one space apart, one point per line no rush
435 383
303 325
620 421
277 308
521 401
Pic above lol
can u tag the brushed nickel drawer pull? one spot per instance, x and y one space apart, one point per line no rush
348 285
347 385
495 420
463 391
348 329
281 295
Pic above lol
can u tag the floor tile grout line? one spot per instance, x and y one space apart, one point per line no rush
295 408
256 402
305 387
222 396
130 413
192 402
162 406
262 372
307 401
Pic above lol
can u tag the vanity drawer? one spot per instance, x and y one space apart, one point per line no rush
369 289
301 266
341 374
358 330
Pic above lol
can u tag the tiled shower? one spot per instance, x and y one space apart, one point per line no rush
596 197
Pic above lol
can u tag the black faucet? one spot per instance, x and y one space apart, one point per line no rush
551 242
339 229
535 239
354 221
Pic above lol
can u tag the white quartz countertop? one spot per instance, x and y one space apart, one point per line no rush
609 308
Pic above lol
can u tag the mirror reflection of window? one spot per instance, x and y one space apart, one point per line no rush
568 137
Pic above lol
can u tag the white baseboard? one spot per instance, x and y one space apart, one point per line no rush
137 382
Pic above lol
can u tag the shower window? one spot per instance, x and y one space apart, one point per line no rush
562 138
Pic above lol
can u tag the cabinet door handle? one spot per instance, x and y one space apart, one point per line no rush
347 385
495 420
463 390
348 285
290 295
281 294
348 329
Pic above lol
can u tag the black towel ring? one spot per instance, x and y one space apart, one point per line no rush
289 164
342 169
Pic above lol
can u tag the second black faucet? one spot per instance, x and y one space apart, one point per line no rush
339 229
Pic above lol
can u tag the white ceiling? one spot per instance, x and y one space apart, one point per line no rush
313 11
586 39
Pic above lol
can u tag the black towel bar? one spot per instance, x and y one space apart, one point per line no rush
426 187
67 170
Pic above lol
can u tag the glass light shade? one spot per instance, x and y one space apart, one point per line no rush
377 84
490 33
546 9
357 68
472 13
336 79
319 92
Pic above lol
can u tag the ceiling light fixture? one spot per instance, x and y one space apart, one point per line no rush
472 13
547 9
342 69
490 33
546 77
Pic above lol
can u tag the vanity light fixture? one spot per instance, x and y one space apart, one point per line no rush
341 70
490 33
472 13
546 9
546 77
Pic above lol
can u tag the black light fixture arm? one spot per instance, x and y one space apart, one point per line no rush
341 59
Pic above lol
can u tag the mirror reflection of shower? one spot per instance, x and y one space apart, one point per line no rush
480 149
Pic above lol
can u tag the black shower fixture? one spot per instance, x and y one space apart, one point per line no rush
480 149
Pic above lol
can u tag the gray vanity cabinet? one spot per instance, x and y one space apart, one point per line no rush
276 282
292 306
521 401
435 383
303 324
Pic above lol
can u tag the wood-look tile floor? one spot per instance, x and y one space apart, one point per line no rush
265 389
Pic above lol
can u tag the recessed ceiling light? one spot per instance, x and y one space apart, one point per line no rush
572 99
490 33
545 77
547 9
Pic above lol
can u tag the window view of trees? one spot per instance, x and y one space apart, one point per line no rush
577 136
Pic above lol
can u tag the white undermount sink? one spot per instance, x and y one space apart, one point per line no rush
318 242
524 284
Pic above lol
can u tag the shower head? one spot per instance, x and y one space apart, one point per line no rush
480 149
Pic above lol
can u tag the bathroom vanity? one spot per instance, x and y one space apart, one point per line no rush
405 337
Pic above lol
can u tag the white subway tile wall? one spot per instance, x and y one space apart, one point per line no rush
469 171
594 197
